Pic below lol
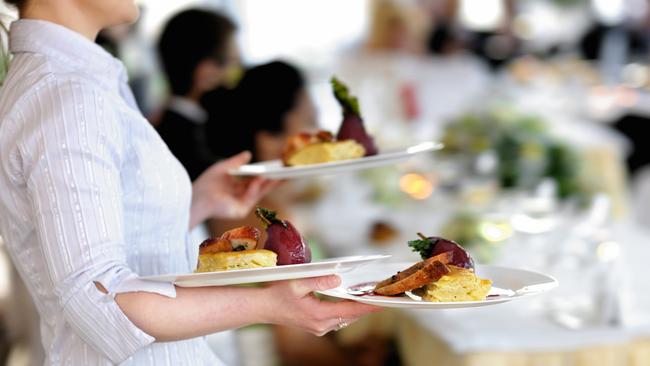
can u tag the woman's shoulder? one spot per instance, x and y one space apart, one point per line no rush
36 98
32 81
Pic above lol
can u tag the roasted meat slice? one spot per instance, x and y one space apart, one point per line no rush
431 272
444 258
215 245
243 238
418 275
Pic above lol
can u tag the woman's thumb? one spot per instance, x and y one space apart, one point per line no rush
309 285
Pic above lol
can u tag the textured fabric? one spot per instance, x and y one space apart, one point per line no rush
88 193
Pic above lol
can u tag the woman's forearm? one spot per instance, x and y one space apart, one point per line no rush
199 211
194 312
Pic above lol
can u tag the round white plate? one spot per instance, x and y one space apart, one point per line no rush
275 170
266 274
507 284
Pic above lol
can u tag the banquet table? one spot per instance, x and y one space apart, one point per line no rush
517 333
418 346
521 333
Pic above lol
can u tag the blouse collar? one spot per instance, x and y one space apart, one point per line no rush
67 46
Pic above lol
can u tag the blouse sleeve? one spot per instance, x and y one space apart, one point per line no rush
72 151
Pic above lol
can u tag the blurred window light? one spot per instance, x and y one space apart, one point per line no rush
610 12
157 12
482 15
305 31
636 10
543 24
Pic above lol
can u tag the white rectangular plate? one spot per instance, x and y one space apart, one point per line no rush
266 274
275 170
507 284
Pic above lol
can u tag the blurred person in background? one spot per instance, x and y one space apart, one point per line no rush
397 26
91 199
198 52
446 36
614 41
270 103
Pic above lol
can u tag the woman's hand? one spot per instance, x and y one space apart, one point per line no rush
198 311
217 194
292 303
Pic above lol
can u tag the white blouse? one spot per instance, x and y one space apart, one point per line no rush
88 192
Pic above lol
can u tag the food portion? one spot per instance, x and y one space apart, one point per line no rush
236 249
459 284
352 127
322 147
351 142
226 261
431 246
416 276
284 239
241 248
446 273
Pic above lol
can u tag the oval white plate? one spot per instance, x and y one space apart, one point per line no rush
507 284
266 274
275 170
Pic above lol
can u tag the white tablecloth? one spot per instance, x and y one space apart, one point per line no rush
342 220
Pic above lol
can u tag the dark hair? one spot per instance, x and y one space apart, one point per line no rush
259 103
190 37
16 3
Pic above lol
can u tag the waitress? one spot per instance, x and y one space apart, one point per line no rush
90 198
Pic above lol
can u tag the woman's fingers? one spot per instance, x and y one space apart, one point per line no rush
269 185
252 193
236 160
306 286
346 309
302 309
256 190
333 325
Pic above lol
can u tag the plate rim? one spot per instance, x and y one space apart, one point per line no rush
546 286
422 147
335 260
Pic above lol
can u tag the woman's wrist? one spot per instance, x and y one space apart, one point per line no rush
261 307
248 305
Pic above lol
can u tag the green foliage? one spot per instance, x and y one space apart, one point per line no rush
526 151
349 103
422 246
4 54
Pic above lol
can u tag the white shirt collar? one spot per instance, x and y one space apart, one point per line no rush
67 46
188 109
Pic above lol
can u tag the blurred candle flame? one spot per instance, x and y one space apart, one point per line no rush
416 185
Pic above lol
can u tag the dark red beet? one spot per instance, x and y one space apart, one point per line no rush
431 246
352 126
284 239
461 256
352 129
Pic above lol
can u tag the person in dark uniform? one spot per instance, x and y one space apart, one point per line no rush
198 52
270 103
